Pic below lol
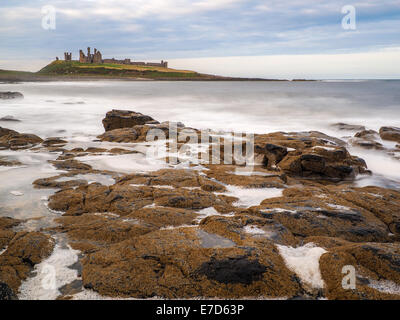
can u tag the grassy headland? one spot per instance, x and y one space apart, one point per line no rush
73 70
77 69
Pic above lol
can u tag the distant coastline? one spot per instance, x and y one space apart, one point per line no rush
76 71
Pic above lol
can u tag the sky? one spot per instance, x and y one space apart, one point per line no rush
250 38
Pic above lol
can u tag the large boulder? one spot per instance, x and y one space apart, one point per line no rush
117 119
307 154
390 133
333 163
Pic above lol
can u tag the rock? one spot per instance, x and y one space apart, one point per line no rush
6 293
308 154
9 119
54 142
173 124
54 184
367 144
313 163
10 139
376 266
241 228
24 250
353 214
103 228
383 203
366 139
5 132
173 264
368 134
31 247
7 223
318 162
126 196
117 119
273 154
11 95
6 234
233 270
348 127
226 174
9 163
390 133
71 165
120 135
138 133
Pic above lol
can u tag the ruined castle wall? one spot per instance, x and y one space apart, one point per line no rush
97 58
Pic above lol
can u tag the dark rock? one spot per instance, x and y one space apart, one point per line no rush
117 119
348 127
390 133
11 95
273 154
9 119
233 270
313 163
6 293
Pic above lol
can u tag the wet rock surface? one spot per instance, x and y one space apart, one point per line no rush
390 133
117 119
10 139
348 127
20 252
214 230
376 266
309 154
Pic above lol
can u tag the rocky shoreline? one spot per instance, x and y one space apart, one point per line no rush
188 229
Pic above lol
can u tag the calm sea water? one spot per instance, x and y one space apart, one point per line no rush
78 107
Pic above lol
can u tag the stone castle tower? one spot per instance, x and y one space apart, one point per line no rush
67 56
96 57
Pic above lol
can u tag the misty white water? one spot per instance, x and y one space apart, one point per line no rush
74 110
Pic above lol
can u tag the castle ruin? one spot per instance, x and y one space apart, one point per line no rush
97 58
68 56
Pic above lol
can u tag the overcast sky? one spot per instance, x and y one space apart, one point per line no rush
263 38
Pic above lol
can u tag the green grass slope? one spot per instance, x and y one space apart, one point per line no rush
77 69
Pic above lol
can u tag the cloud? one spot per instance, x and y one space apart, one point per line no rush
369 65
165 29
